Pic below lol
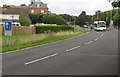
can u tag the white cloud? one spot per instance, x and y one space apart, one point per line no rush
73 7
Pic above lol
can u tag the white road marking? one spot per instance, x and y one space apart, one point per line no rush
30 62
87 33
101 35
73 48
88 42
96 39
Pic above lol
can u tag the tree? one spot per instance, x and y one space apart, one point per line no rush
25 21
83 19
116 4
66 17
34 18
115 19
23 4
117 15
47 19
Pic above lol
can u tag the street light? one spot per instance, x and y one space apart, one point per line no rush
111 21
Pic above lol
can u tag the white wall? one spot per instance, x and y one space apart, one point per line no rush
9 17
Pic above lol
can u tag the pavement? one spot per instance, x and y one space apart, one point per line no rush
94 53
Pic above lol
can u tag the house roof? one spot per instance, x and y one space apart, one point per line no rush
23 12
38 4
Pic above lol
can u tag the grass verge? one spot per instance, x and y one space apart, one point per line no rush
24 41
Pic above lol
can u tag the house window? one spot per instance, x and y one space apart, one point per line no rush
42 11
32 11
38 5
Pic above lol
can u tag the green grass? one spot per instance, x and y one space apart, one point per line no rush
24 41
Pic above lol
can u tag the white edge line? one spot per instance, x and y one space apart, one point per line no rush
73 48
30 62
87 33
42 45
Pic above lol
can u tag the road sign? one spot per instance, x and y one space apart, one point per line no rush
8 28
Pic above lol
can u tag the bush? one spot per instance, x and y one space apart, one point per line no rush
53 28
25 21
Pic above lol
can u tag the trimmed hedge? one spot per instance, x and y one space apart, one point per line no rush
52 28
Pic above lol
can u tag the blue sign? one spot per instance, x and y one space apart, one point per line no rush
8 26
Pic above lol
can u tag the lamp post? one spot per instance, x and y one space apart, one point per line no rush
11 32
111 21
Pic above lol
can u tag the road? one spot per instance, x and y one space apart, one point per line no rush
94 53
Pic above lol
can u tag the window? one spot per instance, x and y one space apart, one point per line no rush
32 11
38 5
42 11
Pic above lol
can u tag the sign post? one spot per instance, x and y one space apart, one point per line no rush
8 30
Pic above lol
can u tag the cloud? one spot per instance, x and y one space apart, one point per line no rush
73 7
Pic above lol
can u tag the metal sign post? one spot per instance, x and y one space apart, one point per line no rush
8 30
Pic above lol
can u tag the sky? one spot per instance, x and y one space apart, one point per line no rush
72 7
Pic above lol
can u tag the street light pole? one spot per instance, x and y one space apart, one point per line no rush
11 32
111 21
110 15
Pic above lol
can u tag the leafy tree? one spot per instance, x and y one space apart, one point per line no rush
116 4
47 19
115 19
83 19
33 18
23 4
24 21
66 17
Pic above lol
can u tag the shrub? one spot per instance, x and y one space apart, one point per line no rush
25 21
53 28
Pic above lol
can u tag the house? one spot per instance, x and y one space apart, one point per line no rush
38 7
16 10
12 13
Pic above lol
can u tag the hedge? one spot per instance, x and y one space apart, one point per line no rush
52 28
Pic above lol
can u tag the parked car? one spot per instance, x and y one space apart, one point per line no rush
85 26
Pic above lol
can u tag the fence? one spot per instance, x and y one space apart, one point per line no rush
1 29
20 30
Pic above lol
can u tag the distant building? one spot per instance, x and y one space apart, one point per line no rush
37 7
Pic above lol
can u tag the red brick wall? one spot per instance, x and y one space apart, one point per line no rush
38 10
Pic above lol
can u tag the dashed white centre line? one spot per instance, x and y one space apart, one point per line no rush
30 62
96 39
88 42
73 48
101 35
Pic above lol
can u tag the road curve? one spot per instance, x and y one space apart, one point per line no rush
94 53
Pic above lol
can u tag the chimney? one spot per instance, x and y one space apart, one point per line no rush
32 1
38 0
